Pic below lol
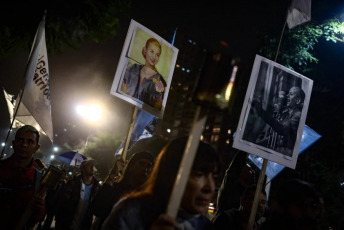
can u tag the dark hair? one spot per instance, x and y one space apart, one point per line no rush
159 185
295 191
251 188
165 170
302 94
28 128
133 159
151 41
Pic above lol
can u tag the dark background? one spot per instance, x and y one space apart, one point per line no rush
85 75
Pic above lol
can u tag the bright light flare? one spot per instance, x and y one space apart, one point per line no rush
92 112
231 83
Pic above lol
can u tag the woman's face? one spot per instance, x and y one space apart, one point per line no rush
152 54
141 170
199 192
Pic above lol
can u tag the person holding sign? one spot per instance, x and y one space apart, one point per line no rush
19 181
297 205
135 174
144 82
145 208
73 211
238 218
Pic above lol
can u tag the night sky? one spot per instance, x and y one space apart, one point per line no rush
85 75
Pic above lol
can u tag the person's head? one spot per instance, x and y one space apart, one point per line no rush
151 52
300 202
246 202
200 186
25 143
138 168
87 167
295 97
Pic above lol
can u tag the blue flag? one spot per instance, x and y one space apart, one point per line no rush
309 137
144 128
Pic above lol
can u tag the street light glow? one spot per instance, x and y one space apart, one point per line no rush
95 112
92 112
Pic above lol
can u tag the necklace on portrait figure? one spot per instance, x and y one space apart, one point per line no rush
147 73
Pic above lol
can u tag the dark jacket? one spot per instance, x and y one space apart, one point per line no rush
106 198
17 188
130 214
68 202
229 219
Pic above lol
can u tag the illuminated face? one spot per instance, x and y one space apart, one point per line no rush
25 145
152 54
89 169
247 202
199 192
293 98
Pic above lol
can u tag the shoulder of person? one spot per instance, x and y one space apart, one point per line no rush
132 202
96 181
75 180
125 214
126 207
134 66
3 161
227 214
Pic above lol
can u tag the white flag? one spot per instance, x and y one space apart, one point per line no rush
10 99
34 107
299 12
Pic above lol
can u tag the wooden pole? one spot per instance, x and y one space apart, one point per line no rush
257 195
49 180
131 127
186 164
119 165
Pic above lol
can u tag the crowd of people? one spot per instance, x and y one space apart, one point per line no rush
138 197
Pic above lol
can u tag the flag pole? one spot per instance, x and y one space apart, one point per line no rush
11 125
265 161
257 195
24 84
285 23
280 40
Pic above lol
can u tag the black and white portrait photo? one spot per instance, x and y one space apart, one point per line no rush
274 112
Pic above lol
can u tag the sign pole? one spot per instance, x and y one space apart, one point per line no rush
131 127
257 195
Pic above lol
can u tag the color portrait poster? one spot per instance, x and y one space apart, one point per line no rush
274 112
144 72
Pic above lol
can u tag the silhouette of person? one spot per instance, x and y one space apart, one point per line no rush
145 208
18 181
